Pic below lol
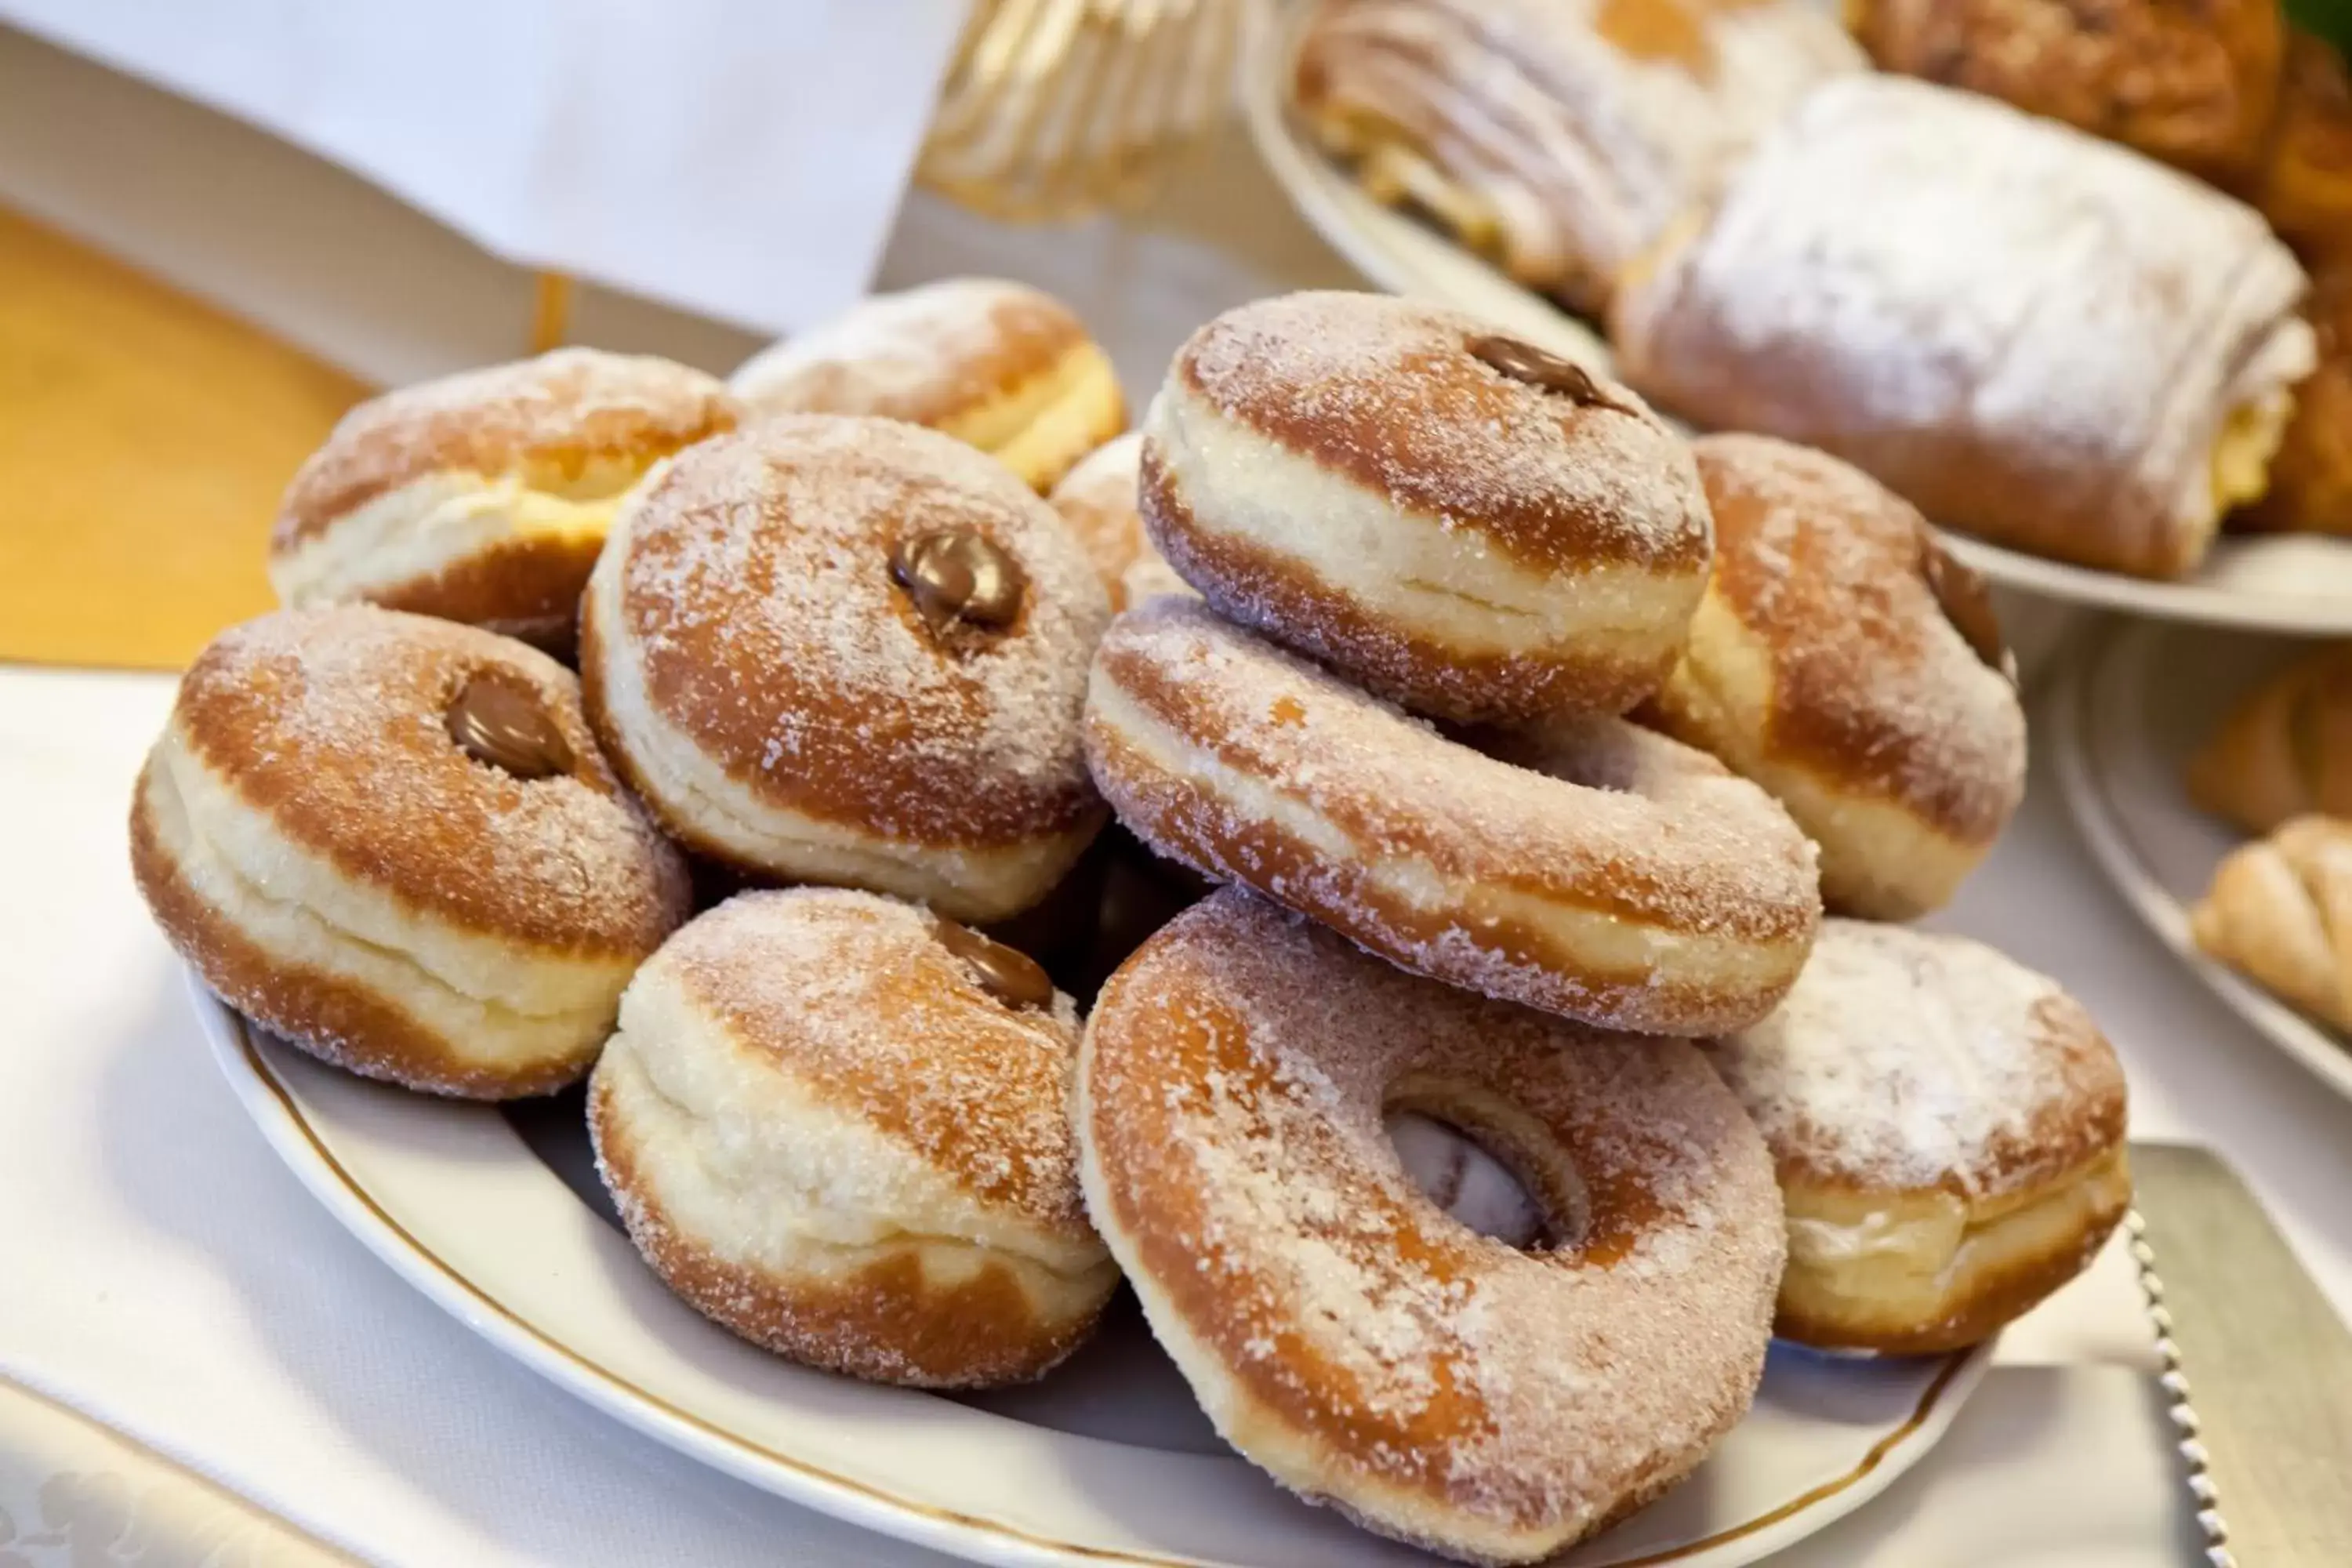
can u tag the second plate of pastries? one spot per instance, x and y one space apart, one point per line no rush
2212 777
2022 300
1062 994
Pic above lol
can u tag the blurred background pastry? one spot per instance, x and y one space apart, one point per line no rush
484 497
2311 478
2190 83
2280 910
2305 187
2092 361
1556 137
2285 750
1001 366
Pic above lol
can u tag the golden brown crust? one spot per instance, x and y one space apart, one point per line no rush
2190 83
2305 189
564 411
1244 1056
331 723
813 681
527 587
1872 689
1994 1299
338 1021
1393 400
2285 748
976 340
884 1321
2311 478
1387 657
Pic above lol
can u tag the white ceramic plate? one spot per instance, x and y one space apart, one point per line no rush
2140 699
2299 584
498 1219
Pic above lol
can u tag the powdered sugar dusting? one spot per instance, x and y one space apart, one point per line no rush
1916 1060
920 355
851 993
2031 334
335 721
1236 1072
756 583
1386 390
574 401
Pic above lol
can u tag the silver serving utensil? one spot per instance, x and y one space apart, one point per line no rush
2269 1431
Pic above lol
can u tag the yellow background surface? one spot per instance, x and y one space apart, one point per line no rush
144 440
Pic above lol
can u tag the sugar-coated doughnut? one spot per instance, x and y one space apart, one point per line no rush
1463 522
484 497
391 839
1846 663
851 650
1632 882
840 1126
1000 365
1340 1330
1949 1127
1098 500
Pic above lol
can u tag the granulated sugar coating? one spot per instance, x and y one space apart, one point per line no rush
1913 1060
1342 1331
756 591
1633 882
925 355
334 723
1868 676
573 408
1385 392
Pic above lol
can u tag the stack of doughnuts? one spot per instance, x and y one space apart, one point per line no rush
1500 1089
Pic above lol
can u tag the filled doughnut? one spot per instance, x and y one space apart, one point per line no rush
2093 361
1346 1335
484 497
1846 663
1000 365
839 1126
1948 1128
1467 524
851 651
1617 877
1098 500
391 840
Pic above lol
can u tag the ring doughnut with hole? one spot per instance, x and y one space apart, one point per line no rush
1617 877
1341 1331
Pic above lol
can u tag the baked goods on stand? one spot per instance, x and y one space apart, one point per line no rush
1427 573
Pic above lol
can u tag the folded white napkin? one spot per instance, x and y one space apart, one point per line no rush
734 157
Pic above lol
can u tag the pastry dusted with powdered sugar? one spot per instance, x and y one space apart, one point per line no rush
2030 335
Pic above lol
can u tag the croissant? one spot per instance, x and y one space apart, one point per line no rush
2285 750
2280 912
2028 333
1555 136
